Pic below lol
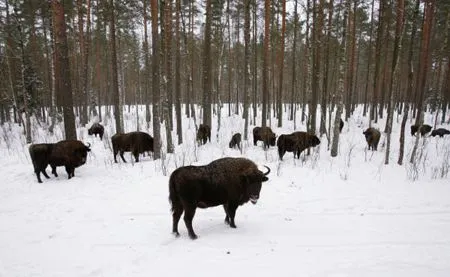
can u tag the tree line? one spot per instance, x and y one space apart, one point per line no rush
62 60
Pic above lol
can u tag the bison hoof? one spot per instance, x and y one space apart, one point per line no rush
232 225
176 234
193 236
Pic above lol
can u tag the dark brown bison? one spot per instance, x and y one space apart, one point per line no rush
296 142
235 141
203 134
230 182
440 132
97 129
372 137
40 156
423 130
264 134
70 154
134 142
341 125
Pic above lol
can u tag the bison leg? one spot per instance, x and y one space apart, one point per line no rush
38 175
136 155
232 207
176 215
45 173
189 213
70 171
121 155
54 171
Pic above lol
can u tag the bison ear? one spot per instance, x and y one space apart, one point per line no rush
264 179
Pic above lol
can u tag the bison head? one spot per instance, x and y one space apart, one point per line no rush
81 153
253 181
314 141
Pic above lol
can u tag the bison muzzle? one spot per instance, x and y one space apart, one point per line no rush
230 182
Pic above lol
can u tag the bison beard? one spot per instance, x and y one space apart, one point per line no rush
228 181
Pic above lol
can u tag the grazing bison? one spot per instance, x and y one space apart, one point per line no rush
372 137
228 181
40 156
134 142
264 134
423 130
235 141
296 142
203 134
341 125
95 129
440 132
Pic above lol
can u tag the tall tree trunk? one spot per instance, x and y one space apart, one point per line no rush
64 87
409 89
115 78
376 77
246 65
167 50
155 81
147 67
265 69
342 63
423 64
281 65
369 62
326 70
294 64
394 73
207 66
177 72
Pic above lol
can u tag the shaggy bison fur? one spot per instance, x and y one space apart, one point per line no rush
440 132
372 137
264 134
96 129
134 142
296 142
235 141
203 134
423 130
230 182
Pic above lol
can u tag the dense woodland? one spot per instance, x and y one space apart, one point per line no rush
61 60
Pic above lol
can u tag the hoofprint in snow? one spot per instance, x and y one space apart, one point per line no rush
317 216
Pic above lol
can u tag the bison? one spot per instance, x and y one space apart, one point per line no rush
372 137
95 129
134 142
235 141
40 156
70 154
203 134
230 182
264 134
296 142
423 130
440 132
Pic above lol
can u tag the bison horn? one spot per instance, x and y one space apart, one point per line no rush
88 145
268 170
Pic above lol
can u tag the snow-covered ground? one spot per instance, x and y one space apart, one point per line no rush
317 216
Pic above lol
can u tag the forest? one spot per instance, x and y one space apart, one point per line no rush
60 61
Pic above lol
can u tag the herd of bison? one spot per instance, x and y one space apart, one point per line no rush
230 182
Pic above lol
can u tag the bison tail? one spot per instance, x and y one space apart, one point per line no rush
173 198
